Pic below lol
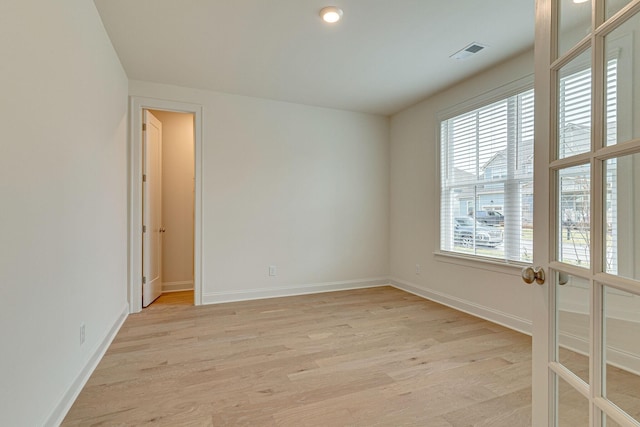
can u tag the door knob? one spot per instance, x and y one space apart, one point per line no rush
531 274
162 230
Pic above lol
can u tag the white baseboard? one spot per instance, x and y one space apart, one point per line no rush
505 319
623 359
186 285
617 357
252 294
58 414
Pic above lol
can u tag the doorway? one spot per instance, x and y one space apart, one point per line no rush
180 227
168 204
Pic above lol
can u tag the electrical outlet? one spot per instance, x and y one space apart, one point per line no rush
272 270
418 269
82 333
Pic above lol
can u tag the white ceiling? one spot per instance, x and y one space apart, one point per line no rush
384 55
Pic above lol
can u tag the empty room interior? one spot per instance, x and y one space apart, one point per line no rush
309 213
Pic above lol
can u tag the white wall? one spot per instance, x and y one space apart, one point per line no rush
177 199
63 201
498 294
303 188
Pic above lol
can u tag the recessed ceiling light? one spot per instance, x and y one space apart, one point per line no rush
331 14
580 1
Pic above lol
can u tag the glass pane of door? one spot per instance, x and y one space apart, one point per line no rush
622 350
622 245
572 407
574 215
574 23
608 422
574 106
613 6
622 73
572 323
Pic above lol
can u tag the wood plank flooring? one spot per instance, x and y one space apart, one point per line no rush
622 388
371 357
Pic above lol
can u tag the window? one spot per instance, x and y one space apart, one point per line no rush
487 172
487 180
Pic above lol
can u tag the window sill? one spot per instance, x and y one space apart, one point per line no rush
512 268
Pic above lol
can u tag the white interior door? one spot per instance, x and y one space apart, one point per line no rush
151 209
586 344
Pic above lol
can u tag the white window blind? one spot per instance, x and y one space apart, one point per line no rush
612 102
574 124
574 115
487 180
574 137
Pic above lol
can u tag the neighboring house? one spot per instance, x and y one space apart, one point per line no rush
490 196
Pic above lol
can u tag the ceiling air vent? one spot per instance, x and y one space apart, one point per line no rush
467 51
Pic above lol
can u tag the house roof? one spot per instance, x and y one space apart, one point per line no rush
499 156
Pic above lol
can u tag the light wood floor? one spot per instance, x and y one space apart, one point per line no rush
372 357
622 388
184 298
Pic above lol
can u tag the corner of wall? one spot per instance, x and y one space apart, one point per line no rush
507 320
65 403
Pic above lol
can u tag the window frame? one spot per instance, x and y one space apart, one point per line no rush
484 99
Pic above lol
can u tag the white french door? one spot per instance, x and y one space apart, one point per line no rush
586 333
